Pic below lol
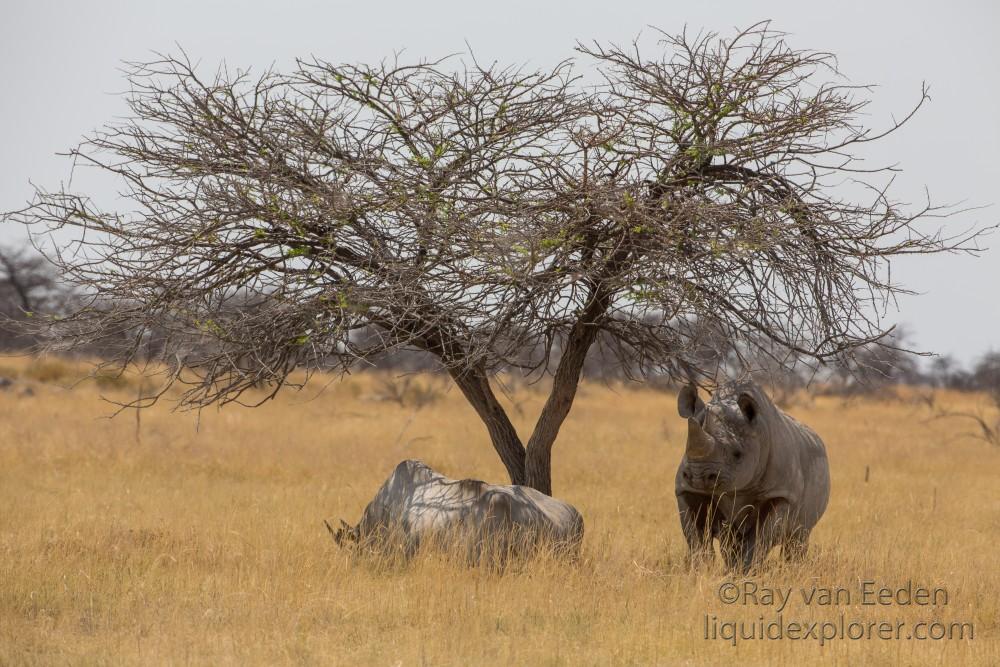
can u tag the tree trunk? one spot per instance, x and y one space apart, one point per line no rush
475 385
531 465
538 466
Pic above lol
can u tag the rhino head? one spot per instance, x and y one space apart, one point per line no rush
724 442
346 534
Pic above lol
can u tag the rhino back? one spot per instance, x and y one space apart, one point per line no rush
536 512
442 504
391 504
422 504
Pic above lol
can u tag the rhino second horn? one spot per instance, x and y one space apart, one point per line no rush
699 444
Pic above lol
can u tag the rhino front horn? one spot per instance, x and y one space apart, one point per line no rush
699 444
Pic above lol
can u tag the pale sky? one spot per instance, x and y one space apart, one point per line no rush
59 73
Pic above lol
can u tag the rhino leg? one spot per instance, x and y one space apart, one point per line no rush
749 536
739 541
739 552
700 523
777 525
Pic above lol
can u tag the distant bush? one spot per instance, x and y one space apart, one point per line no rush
52 370
109 379
409 392
67 372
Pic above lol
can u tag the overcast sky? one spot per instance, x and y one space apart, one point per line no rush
59 73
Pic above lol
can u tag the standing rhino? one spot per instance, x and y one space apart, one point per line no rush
417 505
751 476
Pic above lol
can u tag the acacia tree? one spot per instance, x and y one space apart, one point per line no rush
492 217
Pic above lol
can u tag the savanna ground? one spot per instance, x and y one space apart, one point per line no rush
203 543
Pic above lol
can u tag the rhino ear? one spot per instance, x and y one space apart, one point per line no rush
748 406
688 402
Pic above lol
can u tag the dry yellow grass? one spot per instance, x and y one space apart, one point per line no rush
206 546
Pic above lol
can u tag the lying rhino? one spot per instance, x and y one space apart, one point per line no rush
417 505
751 476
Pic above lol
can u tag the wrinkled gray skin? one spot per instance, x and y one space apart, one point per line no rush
751 477
417 505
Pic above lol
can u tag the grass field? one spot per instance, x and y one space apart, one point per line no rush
174 542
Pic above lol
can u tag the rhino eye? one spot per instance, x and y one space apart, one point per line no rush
737 455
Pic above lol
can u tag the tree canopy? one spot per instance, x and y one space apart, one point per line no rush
492 216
